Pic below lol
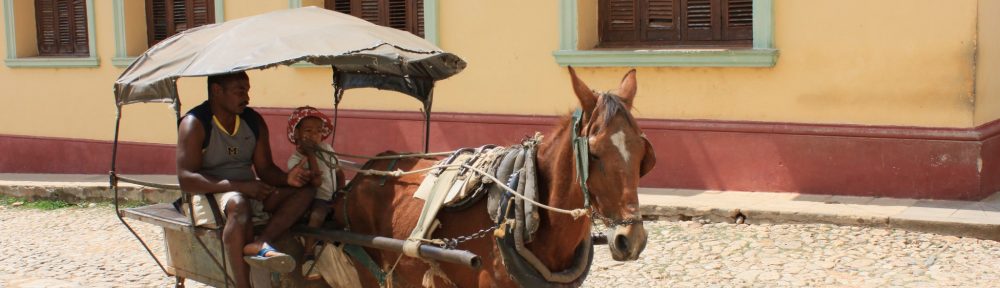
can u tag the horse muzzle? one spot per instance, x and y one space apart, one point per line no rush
627 242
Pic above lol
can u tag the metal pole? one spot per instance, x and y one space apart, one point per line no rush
427 121
113 181
390 244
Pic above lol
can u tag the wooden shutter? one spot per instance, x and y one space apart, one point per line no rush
164 18
701 21
618 21
406 15
62 27
737 20
660 23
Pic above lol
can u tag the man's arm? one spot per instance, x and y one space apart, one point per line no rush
267 171
190 135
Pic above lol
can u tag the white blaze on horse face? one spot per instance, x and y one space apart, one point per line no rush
618 139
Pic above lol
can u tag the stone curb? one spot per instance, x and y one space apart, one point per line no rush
89 193
760 216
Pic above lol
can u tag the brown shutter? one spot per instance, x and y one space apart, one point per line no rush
661 22
406 15
80 39
202 13
164 18
62 27
45 18
701 21
419 17
370 12
396 15
342 6
618 21
738 20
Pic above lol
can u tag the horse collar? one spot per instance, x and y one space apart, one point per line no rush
581 151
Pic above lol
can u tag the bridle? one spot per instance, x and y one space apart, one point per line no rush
581 151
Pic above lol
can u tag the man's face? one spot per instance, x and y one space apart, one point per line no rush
233 95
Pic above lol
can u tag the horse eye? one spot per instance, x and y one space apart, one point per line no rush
593 157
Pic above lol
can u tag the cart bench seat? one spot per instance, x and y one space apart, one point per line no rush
163 215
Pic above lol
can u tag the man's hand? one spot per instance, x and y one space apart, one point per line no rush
255 189
299 175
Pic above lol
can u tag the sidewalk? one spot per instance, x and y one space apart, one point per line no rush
958 218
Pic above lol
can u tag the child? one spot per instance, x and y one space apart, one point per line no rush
307 128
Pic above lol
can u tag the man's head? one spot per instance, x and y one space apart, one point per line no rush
229 92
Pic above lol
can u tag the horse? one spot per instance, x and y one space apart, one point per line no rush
619 155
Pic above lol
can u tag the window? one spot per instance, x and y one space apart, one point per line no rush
62 28
49 33
164 18
660 30
676 22
406 15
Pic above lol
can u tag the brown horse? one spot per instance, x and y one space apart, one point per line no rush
619 155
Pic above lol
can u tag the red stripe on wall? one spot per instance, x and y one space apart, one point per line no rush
888 161
28 154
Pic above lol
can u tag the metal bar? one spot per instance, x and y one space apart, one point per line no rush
427 122
113 182
462 257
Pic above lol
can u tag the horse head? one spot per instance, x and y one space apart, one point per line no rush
618 156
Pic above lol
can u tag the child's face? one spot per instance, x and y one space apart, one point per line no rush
310 129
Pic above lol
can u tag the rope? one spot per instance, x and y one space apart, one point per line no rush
576 213
400 156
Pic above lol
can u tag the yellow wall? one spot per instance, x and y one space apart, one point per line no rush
988 63
26 30
136 40
840 61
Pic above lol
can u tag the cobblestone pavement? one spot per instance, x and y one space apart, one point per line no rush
88 247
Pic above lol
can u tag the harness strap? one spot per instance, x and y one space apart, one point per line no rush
581 151
362 256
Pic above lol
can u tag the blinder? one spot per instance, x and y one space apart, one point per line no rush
649 160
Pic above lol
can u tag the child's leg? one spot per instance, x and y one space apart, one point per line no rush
318 212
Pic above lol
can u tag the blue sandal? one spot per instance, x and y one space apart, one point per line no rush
279 262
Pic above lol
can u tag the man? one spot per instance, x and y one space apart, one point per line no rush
217 143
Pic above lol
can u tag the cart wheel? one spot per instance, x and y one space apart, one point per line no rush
179 282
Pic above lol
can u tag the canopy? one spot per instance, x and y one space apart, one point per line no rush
361 54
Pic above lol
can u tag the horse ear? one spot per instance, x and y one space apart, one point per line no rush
627 89
648 161
587 98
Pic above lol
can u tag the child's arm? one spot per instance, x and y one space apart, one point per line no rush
317 179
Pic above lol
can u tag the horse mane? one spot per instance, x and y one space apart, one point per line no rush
613 105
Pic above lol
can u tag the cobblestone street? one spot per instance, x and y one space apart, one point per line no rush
88 247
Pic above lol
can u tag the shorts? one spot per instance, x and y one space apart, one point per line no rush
203 216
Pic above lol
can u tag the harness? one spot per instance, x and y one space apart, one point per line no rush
515 212
521 263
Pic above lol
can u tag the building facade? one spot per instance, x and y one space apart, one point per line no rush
894 98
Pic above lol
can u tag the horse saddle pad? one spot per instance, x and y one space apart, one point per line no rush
460 185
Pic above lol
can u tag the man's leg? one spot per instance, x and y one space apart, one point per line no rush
286 206
237 232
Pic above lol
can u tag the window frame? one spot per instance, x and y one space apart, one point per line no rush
121 58
48 61
761 54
